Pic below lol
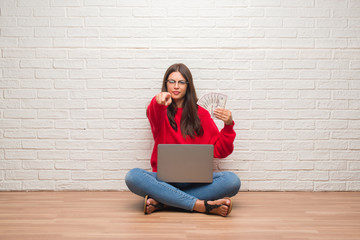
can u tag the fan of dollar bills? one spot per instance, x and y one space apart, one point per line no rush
211 101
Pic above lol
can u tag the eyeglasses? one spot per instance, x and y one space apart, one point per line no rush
173 82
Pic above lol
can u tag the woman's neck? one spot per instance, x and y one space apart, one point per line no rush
179 103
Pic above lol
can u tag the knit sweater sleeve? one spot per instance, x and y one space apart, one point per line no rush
223 140
156 114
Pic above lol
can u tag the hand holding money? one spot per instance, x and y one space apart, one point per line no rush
224 115
211 101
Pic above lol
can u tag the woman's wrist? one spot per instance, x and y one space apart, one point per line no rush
230 123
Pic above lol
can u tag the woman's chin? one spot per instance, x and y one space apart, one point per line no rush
176 97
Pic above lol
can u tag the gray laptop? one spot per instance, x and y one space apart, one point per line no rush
185 163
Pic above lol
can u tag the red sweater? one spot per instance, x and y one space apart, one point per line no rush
163 133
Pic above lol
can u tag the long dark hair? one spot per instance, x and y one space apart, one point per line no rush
190 123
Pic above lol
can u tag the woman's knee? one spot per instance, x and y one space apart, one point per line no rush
233 181
132 176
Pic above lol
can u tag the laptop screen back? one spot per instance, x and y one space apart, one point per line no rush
192 163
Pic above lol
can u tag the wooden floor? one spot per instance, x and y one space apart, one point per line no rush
118 215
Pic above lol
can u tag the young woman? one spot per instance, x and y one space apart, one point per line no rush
175 118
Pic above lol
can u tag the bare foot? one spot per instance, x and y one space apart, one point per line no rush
152 205
221 210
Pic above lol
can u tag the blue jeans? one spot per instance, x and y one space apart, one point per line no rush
182 195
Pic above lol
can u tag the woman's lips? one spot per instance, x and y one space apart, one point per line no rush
176 93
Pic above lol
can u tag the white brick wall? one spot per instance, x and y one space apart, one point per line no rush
76 76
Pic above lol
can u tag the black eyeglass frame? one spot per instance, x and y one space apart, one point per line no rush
181 82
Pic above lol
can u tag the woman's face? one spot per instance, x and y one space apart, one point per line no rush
176 85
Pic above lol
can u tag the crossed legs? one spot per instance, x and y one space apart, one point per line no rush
187 196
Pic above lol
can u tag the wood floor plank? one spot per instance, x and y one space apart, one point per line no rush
118 215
